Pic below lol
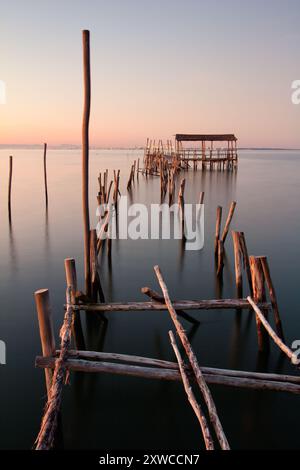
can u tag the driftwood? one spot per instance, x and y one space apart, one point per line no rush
259 295
284 348
177 304
269 282
194 364
100 356
191 397
167 373
159 298
228 221
46 435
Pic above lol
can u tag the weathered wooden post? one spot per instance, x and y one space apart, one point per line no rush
244 250
201 197
181 193
71 280
220 258
258 295
85 157
237 264
218 225
228 221
10 184
45 173
42 302
95 278
273 297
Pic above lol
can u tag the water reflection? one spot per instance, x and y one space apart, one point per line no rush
129 267
13 251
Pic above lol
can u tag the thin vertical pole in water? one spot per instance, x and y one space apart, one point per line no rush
218 226
220 258
272 293
258 287
237 263
9 184
45 173
71 280
42 302
85 157
228 221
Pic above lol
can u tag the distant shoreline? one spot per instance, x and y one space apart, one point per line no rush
78 147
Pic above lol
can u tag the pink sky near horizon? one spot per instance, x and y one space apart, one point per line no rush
168 72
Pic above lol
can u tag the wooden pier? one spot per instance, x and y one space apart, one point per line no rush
261 299
208 152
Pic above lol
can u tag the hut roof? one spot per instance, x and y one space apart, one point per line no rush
205 137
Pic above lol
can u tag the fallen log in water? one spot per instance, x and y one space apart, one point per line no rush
194 364
191 397
158 298
284 348
100 356
161 373
177 304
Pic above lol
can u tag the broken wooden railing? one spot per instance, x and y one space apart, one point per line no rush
65 360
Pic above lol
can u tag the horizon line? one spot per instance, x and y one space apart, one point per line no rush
108 147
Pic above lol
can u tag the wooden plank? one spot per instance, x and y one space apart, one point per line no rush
178 305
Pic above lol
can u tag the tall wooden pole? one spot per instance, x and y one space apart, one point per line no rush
45 173
9 184
85 157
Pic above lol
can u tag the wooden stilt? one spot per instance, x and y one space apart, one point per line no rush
85 157
228 221
258 295
96 287
244 251
10 184
220 258
47 432
45 174
273 297
71 281
218 225
237 264
42 302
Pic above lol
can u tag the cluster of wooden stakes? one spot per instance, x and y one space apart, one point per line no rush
58 363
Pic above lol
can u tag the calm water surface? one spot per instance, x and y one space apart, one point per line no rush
103 411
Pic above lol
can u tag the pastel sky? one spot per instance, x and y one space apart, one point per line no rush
158 67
